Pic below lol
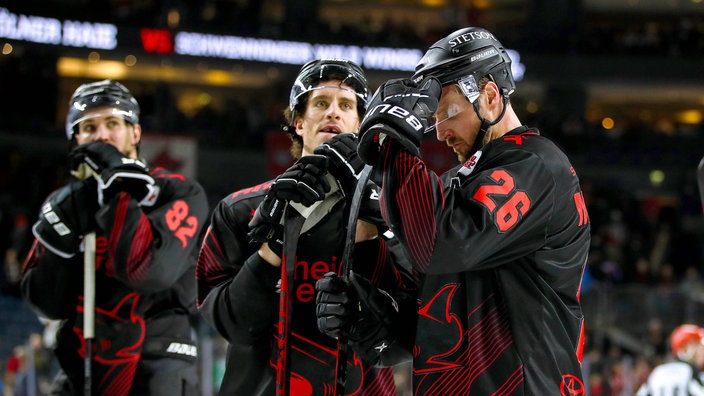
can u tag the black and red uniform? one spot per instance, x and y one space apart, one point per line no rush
144 293
499 245
237 295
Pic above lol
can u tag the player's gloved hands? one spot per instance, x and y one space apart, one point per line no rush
66 216
336 306
116 172
399 109
266 226
304 182
345 164
359 310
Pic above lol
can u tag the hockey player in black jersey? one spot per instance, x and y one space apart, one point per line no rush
147 223
498 243
240 272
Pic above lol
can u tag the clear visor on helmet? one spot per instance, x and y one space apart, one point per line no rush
469 89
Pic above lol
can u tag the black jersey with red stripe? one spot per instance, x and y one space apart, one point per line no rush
144 291
241 302
499 244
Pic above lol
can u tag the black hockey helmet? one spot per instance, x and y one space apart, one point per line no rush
105 93
464 57
319 70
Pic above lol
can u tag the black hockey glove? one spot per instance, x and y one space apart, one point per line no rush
345 164
66 216
336 307
400 109
116 173
359 310
304 182
266 226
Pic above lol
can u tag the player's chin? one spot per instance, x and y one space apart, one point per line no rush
327 135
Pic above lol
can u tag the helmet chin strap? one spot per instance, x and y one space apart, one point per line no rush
479 141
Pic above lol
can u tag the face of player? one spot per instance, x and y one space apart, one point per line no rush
457 124
331 109
698 358
100 125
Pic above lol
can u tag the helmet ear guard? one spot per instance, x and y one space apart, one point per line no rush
105 93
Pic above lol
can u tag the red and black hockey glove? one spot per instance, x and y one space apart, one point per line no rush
116 173
66 216
345 164
360 311
400 109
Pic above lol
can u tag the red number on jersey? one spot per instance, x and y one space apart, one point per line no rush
517 205
178 221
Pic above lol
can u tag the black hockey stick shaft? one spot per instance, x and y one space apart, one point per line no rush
700 182
292 228
347 263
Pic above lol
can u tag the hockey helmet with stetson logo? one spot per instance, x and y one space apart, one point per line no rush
464 58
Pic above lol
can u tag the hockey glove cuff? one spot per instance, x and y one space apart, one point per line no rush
132 179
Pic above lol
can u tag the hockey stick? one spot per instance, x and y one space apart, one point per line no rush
292 229
347 261
700 181
88 308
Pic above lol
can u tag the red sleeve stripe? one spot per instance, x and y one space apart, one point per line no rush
416 206
118 223
140 254
380 264
209 268
33 256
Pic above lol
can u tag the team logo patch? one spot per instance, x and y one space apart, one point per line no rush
571 386
470 163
